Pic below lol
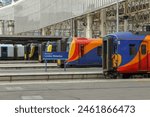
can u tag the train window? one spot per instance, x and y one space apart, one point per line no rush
143 49
99 50
132 49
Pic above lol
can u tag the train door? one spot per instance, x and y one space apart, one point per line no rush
107 50
98 58
143 57
4 51
81 54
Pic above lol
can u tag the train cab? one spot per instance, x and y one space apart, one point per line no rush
26 51
46 47
6 51
31 51
63 45
33 55
85 52
41 48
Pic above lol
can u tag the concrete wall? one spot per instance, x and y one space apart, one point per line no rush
35 14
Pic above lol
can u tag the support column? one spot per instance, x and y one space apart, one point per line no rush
127 27
74 26
103 22
43 31
126 23
52 31
1 27
10 27
89 26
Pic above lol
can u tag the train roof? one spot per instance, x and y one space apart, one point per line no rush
6 45
19 45
84 38
128 36
84 41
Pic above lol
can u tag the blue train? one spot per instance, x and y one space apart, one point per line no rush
126 54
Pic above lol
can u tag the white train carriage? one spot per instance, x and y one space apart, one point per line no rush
6 51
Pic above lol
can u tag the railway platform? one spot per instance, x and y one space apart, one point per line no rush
18 61
36 71
50 76
25 65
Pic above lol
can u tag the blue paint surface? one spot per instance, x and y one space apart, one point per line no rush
89 59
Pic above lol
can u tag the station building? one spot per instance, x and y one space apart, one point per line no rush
86 18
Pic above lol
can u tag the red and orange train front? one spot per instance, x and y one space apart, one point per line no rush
85 51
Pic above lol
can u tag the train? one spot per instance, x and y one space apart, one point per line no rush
126 54
34 51
31 51
121 54
88 52
46 47
63 45
85 52
10 51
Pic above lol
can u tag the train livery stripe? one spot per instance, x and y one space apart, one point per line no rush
91 45
72 45
133 65
73 52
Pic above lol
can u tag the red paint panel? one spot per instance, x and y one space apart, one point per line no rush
134 68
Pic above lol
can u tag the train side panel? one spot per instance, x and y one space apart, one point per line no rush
129 56
137 58
89 59
10 51
19 51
